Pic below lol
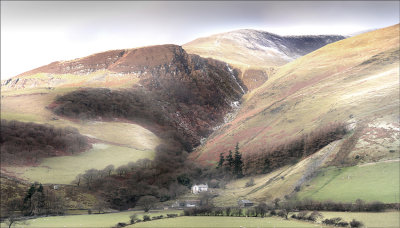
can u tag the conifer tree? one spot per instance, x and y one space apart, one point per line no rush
221 160
237 162
229 160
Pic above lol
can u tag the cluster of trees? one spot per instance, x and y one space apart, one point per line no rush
291 151
165 177
359 206
38 200
232 164
28 142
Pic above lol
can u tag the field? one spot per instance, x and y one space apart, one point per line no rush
93 220
369 182
210 221
118 143
386 219
64 169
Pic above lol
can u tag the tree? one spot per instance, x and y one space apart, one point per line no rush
184 179
221 160
109 169
261 209
13 220
267 165
237 162
205 198
100 206
276 202
360 204
147 202
229 161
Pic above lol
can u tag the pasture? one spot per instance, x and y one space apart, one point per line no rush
93 220
211 221
64 169
371 182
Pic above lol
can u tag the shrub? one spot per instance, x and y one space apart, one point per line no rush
376 206
120 224
172 215
133 218
302 215
355 223
332 221
314 216
250 182
342 224
273 212
146 218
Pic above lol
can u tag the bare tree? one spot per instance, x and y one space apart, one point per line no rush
13 220
147 202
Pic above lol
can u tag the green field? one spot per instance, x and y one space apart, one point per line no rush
371 182
211 221
370 219
64 169
93 220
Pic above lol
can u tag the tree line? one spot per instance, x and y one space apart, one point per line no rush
23 143
291 150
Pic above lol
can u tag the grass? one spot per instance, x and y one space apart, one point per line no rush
210 221
370 219
371 182
325 86
64 169
93 220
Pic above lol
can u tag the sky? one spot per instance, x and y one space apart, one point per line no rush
35 33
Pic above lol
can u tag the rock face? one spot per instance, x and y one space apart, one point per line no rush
178 91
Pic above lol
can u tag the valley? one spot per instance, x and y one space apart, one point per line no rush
302 122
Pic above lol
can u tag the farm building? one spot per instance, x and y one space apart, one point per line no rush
245 203
199 188
186 203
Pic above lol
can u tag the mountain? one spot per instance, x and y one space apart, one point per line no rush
126 100
352 81
255 52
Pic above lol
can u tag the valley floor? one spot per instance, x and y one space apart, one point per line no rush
384 219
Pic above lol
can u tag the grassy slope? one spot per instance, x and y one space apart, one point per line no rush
238 56
273 185
330 84
123 142
367 182
210 221
64 169
327 85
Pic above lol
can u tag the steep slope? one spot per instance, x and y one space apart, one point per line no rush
353 81
255 52
164 95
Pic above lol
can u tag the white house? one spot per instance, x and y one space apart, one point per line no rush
199 188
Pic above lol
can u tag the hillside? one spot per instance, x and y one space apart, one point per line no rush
256 53
352 81
166 96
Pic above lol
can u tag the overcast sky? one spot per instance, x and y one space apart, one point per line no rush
37 33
